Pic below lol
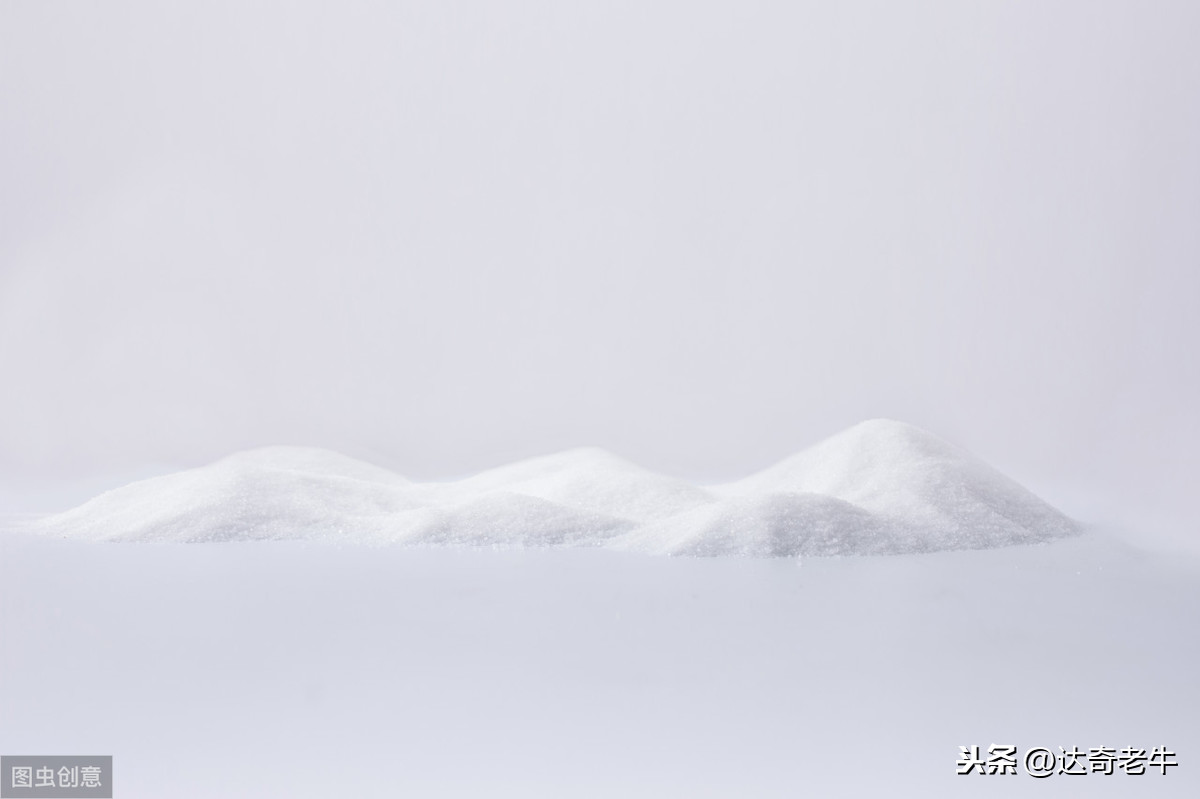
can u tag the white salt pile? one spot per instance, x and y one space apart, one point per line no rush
880 487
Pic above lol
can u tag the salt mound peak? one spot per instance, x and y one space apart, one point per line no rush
265 493
879 487
930 493
878 447
312 460
593 480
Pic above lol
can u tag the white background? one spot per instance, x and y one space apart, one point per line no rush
703 235
444 236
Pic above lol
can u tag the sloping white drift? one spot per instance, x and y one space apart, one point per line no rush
274 492
880 487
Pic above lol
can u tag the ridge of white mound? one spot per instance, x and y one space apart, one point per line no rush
594 480
931 494
881 487
267 493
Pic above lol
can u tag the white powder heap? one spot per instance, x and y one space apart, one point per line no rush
881 487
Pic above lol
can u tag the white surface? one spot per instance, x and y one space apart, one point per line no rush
290 669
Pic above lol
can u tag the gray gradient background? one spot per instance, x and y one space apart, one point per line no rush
447 235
